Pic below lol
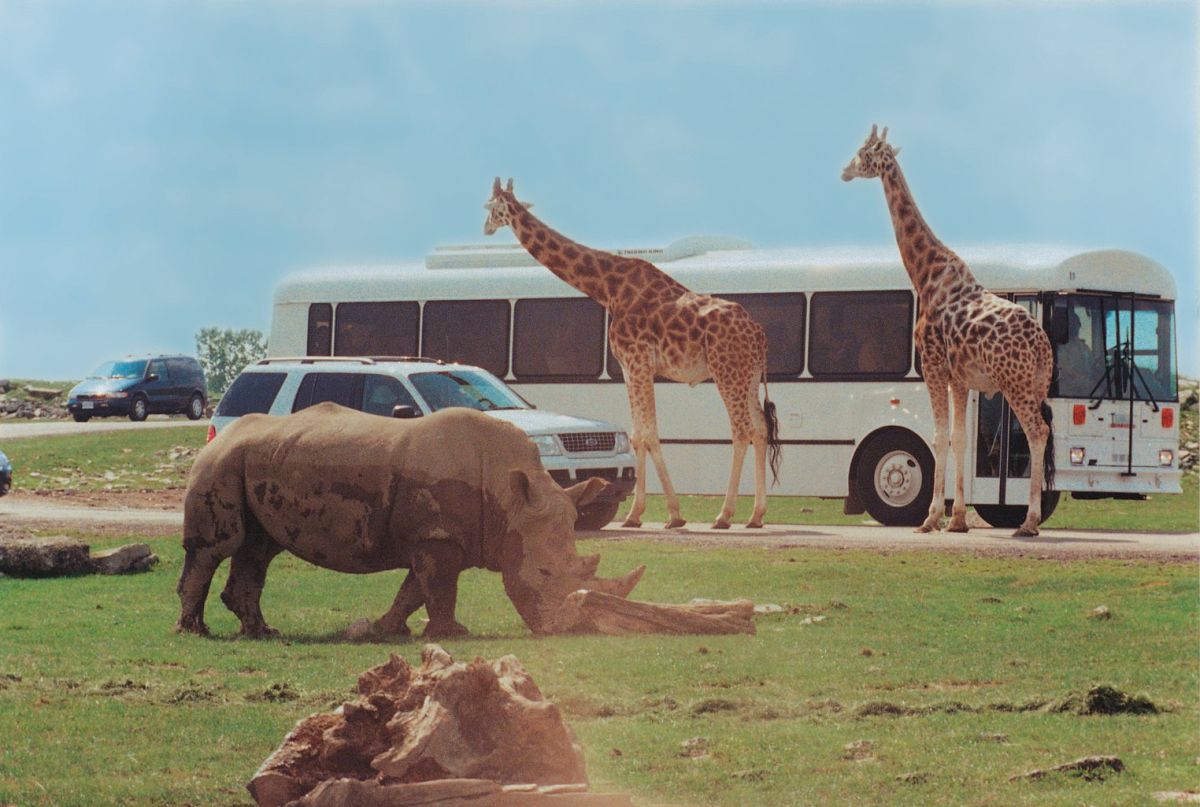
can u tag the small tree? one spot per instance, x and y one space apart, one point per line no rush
223 352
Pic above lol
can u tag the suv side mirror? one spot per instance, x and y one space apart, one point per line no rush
405 411
1060 332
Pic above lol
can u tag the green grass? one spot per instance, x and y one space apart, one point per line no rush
133 459
100 703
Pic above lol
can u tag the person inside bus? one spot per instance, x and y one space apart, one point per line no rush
1080 365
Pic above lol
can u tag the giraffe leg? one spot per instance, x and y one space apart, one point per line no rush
760 480
1036 431
958 440
937 381
639 383
735 477
737 383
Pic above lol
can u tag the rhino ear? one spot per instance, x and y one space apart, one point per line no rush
585 493
522 486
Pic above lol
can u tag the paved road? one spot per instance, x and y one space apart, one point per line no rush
58 428
1056 543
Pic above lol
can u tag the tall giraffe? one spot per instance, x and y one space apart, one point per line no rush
657 327
968 338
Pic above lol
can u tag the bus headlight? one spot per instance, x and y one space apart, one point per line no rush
1166 457
621 446
547 445
1077 455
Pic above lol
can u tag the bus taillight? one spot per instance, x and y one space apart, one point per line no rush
1079 414
1168 417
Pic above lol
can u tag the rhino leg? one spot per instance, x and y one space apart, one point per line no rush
199 566
408 599
436 566
247 576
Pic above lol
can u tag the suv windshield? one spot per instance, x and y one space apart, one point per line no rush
471 389
119 369
1117 347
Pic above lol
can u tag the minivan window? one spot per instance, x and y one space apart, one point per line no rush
119 369
315 388
160 369
250 393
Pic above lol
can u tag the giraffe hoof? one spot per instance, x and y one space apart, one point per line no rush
925 528
675 522
754 525
631 522
720 524
1025 532
958 526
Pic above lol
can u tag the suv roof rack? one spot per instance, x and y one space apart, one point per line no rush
346 359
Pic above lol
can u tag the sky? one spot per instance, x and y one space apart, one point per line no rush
163 165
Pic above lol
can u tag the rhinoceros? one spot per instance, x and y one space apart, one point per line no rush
358 493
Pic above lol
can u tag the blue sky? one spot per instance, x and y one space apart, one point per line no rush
163 165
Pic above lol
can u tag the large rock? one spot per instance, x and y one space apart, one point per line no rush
44 557
445 720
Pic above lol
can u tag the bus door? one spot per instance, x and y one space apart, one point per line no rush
1001 457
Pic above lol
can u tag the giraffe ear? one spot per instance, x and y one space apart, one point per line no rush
527 205
496 186
896 150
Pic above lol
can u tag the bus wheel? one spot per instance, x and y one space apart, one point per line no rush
1011 516
595 516
894 478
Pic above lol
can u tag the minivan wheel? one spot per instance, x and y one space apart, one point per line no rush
894 478
81 417
195 409
138 409
595 516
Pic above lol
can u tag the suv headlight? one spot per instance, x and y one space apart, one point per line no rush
547 444
621 446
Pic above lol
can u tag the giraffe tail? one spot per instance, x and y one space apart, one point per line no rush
1048 457
774 448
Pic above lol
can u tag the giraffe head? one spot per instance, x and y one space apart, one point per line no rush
870 159
499 208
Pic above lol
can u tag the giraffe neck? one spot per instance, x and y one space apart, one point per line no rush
582 267
931 265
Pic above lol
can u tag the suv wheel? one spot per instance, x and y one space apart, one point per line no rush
138 409
195 409
595 516
894 479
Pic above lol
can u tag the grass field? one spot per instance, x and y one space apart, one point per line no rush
160 458
958 670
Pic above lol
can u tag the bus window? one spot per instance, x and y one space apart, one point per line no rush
376 329
782 317
468 332
865 334
558 339
320 329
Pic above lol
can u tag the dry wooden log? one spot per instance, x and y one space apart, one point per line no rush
595 612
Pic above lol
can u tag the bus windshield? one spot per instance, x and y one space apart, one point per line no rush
474 390
1117 347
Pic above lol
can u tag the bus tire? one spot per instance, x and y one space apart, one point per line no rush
894 478
595 516
1011 516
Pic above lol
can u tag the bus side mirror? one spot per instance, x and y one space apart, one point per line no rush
1060 332
405 411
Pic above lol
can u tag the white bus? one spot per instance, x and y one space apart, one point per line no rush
854 415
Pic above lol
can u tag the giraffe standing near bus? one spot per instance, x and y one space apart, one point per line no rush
658 327
968 338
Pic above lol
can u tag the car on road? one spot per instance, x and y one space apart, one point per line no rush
572 449
138 386
6 474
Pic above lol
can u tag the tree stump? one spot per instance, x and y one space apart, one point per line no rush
594 612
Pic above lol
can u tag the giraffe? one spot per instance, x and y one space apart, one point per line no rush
968 338
658 327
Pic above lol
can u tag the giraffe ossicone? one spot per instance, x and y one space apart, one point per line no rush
659 327
967 338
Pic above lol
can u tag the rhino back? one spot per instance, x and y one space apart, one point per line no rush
353 492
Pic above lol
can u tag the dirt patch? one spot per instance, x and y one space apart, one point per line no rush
166 499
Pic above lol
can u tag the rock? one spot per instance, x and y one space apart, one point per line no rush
124 559
694 748
1101 612
1085 767
594 612
43 393
44 557
1185 796
768 608
5 385
913 778
859 750
443 721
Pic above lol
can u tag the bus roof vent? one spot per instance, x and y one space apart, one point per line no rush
490 256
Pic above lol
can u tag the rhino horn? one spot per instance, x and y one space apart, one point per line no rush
618 586
588 565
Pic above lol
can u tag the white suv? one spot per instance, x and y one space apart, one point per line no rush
572 448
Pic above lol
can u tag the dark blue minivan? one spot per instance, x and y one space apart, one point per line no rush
138 386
